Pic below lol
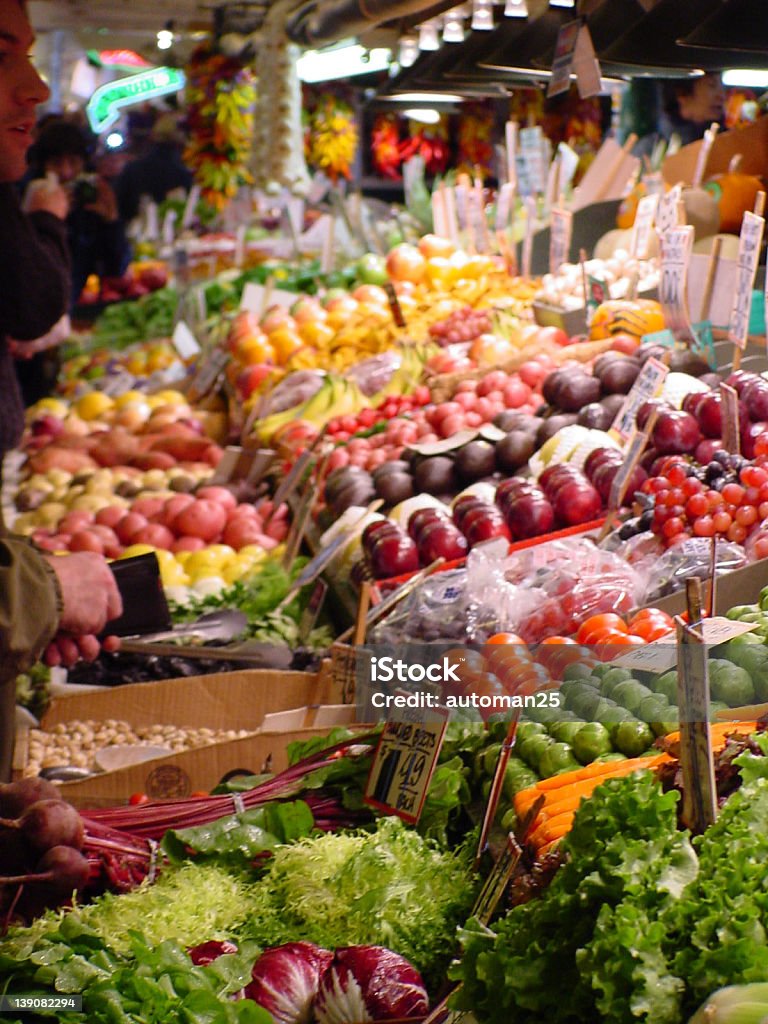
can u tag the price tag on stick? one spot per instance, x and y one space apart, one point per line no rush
676 248
699 808
641 229
496 884
648 385
750 241
730 417
496 786
405 759
560 232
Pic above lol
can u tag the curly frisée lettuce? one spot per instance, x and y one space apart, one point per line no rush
388 888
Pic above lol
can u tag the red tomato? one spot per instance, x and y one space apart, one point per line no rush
601 622
135 799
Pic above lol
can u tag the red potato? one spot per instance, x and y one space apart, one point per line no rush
240 532
184 448
112 546
55 457
149 507
129 526
187 543
202 518
109 516
156 534
222 495
172 507
278 528
86 540
75 520
153 460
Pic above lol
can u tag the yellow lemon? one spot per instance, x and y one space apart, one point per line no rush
93 405
223 552
252 551
138 549
235 571
55 406
173 577
128 397
201 560
169 396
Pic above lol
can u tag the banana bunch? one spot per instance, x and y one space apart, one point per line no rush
736 1004
336 397
408 375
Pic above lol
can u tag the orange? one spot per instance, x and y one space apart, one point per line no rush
315 332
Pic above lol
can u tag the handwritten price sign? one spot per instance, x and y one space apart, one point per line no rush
676 248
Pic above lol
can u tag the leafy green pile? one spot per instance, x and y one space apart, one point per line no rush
258 596
33 689
639 925
388 888
123 323
152 984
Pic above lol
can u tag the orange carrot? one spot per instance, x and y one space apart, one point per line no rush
719 731
593 773
553 829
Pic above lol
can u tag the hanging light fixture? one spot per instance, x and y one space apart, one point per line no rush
408 51
428 35
482 15
515 9
453 26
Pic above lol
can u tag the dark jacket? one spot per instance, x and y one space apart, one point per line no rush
34 294
154 175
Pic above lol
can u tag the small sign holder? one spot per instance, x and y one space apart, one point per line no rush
699 808
750 243
730 417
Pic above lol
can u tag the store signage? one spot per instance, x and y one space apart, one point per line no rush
118 59
104 107
405 759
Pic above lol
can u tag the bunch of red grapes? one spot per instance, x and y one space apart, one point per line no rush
462 325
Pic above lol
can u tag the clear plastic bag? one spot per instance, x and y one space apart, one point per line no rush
691 558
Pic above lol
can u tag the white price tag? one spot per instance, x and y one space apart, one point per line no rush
461 194
532 153
295 208
676 248
750 241
184 341
641 229
585 65
569 161
504 207
252 299
648 385
560 232
169 228
530 227
190 206
659 656
718 629
240 245
510 136
668 211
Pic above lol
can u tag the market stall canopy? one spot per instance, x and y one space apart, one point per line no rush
735 25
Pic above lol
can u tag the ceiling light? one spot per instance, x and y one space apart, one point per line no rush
562 3
341 62
425 115
747 78
114 140
482 15
428 38
453 26
515 9
164 39
424 97
408 51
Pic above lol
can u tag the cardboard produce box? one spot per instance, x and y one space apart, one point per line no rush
278 708
742 586
749 142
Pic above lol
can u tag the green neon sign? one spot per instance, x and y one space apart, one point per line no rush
104 106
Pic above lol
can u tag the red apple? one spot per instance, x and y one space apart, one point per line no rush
598 456
516 393
393 555
705 450
442 540
422 517
675 433
485 527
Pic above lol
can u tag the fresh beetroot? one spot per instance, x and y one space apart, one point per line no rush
49 823
60 870
15 797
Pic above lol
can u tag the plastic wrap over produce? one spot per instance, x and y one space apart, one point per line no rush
297 388
691 558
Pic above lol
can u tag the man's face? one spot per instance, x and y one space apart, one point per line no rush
21 89
706 102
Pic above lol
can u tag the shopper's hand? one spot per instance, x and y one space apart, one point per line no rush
43 195
89 593
60 331
105 203
68 650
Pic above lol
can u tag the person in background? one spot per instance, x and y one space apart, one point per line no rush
97 240
54 605
684 108
156 174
